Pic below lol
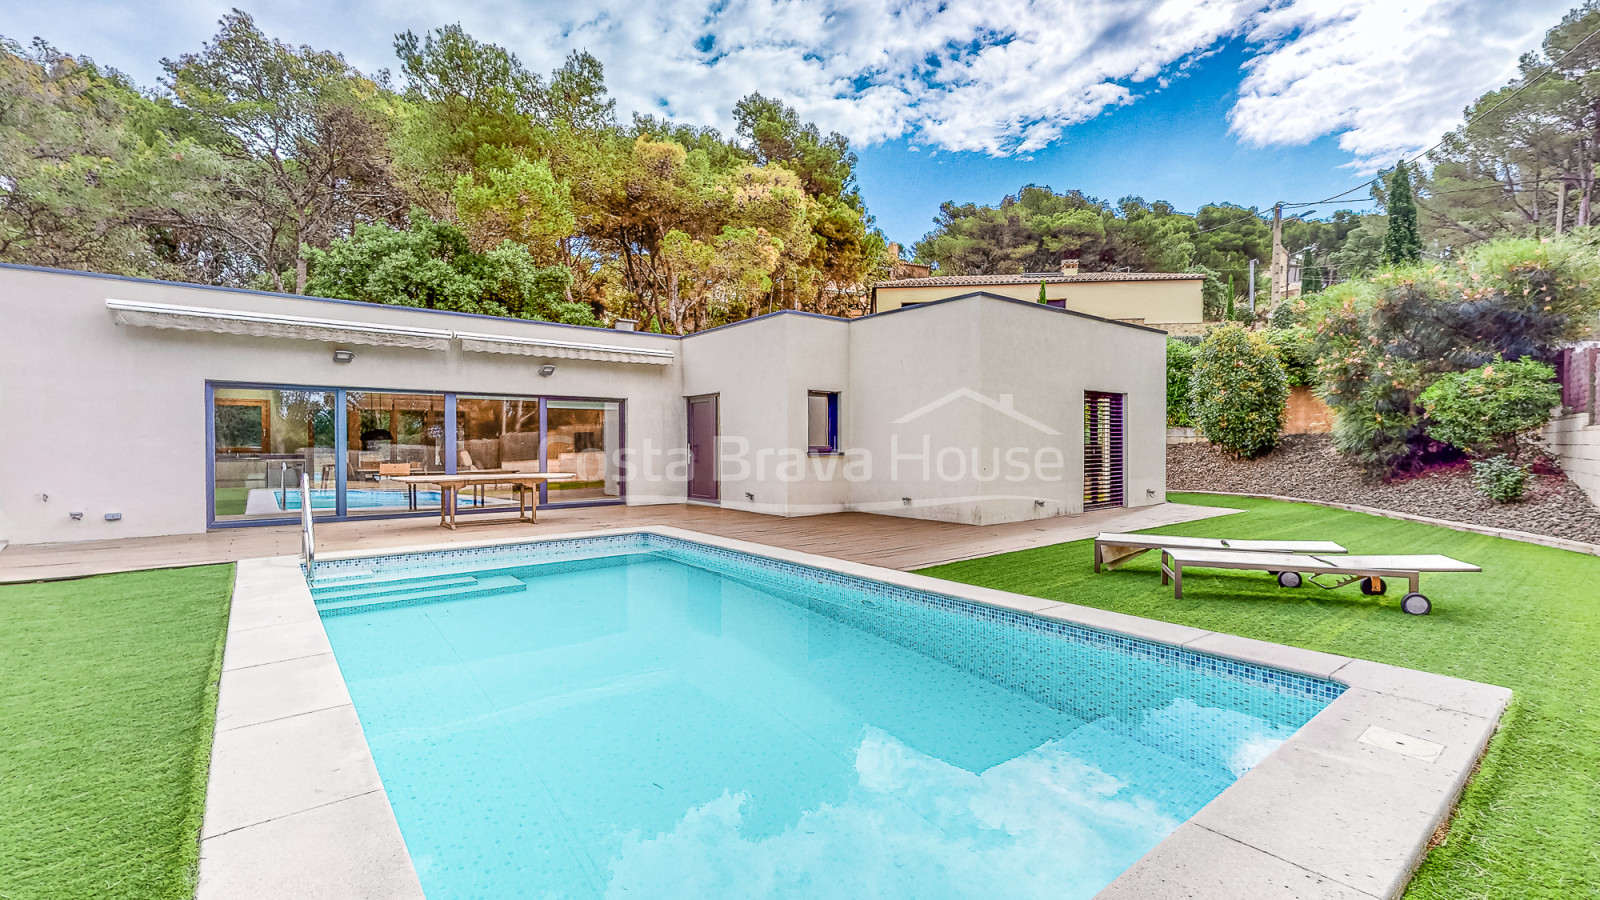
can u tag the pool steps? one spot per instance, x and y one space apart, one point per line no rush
353 594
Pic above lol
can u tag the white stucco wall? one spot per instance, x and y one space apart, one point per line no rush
762 371
102 418
1042 360
105 418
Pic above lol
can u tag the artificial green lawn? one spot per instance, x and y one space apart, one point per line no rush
231 501
108 693
1529 823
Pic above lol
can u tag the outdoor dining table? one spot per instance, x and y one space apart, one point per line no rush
526 483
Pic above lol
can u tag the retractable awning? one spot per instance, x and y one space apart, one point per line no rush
227 321
495 343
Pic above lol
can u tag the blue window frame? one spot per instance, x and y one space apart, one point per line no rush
822 421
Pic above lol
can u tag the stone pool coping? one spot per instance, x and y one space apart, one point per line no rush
1343 810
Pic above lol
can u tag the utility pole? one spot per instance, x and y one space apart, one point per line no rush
1280 260
1561 205
1252 285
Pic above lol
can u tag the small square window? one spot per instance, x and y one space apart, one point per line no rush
822 421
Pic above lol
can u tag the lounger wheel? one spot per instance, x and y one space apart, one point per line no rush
1416 604
1289 579
1373 586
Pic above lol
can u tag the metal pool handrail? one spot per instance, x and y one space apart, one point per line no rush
308 544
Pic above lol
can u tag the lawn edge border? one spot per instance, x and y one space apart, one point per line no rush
194 821
1526 537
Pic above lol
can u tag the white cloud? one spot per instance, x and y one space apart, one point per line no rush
1388 76
1003 77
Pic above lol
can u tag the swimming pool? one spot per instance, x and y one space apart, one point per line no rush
358 498
646 715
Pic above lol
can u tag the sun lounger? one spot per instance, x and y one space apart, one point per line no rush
1112 550
1291 570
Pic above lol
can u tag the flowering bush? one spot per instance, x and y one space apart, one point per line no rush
1238 392
1378 350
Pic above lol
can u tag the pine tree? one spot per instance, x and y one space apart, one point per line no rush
1402 245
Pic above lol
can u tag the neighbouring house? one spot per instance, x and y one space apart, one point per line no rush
1574 434
1169 301
140 407
906 269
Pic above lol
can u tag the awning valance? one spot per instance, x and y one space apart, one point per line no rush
227 321
494 343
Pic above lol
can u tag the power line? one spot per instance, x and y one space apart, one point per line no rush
1480 117
1367 185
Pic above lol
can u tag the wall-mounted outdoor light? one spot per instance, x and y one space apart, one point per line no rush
750 495
344 356
547 370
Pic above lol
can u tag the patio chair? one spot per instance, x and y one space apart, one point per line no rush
1291 570
1112 550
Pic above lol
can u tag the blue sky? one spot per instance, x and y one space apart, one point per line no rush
1171 145
1191 101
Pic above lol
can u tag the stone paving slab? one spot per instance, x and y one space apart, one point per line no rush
264 644
347 850
279 690
1199 864
286 766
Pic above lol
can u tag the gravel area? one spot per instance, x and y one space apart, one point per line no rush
1307 466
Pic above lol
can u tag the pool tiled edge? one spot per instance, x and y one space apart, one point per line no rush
1326 815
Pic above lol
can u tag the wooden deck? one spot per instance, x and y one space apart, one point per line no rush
890 541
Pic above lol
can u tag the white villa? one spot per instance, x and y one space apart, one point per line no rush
138 407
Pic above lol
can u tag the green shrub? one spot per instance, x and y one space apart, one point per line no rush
1238 392
1297 351
1484 410
1180 363
1499 479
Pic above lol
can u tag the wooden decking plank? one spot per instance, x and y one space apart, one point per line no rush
891 541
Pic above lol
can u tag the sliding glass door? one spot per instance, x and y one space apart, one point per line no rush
581 439
496 434
262 440
355 444
391 435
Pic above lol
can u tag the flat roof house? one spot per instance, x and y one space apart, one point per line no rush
1170 301
137 407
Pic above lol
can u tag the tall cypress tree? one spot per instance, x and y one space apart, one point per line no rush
1403 243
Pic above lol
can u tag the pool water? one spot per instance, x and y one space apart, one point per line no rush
667 722
357 498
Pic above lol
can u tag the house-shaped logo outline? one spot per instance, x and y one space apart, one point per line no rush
1003 405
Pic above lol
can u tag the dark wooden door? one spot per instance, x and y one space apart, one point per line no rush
703 448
